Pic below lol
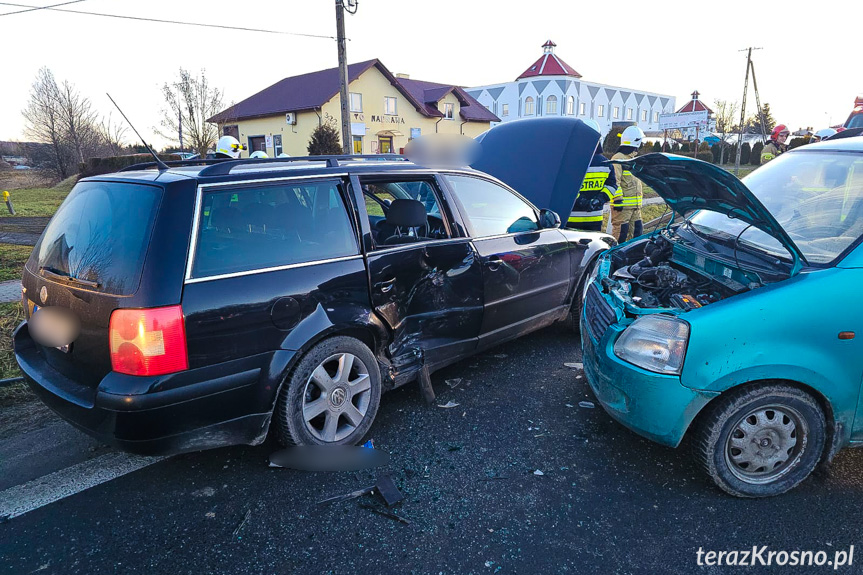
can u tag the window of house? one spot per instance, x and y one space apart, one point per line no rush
616 115
490 209
551 105
504 110
358 144
582 109
448 110
644 115
390 105
528 106
629 113
570 106
356 102
600 110
656 116
261 227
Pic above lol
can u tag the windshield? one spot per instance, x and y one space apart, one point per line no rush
817 198
855 121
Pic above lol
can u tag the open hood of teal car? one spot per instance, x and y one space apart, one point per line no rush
688 184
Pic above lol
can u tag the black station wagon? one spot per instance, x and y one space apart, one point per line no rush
215 299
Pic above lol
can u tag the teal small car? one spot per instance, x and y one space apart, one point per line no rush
735 325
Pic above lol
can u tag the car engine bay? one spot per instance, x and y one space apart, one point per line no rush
648 275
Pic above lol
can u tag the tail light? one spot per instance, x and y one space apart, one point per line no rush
148 341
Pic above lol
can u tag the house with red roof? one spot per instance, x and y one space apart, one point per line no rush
703 131
386 109
551 87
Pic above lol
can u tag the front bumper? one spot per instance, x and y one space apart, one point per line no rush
225 404
653 405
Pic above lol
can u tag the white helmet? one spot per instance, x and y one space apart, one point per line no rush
823 134
593 124
632 136
283 155
259 154
228 147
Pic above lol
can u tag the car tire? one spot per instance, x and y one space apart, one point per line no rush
320 404
761 441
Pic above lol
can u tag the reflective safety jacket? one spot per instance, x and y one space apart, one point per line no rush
771 150
631 193
599 186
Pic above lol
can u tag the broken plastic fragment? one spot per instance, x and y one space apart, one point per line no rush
574 365
587 404
454 383
538 472
449 404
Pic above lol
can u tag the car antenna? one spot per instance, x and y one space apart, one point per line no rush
162 165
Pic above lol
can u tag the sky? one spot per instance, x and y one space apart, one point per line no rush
805 68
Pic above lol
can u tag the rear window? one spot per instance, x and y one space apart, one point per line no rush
257 228
100 235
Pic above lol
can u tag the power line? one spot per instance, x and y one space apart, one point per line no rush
142 19
33 9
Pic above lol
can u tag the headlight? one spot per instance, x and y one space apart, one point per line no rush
655 343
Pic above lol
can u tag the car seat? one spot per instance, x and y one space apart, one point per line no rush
405 218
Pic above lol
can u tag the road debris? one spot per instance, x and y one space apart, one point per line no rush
205 492
574 365
210 515
453 383
570 405
242 524
449 405
500 356
538 472
386 513
348 496
388 491
586 404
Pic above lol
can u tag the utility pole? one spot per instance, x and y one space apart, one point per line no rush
343 69
181 129
743 110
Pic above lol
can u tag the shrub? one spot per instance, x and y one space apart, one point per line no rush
325 140
745 153
755 158
716 152
797 142
657 147
705 156
685 147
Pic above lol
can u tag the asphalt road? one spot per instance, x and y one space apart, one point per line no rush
606 502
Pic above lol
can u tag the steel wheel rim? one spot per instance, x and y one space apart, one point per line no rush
766 443
336 397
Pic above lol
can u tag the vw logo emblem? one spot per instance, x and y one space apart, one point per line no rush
338 396
43 294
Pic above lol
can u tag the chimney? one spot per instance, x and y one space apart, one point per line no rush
403 76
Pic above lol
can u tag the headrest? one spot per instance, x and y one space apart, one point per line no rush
407 214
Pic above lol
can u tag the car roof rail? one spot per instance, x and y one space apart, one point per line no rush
224 167
173 163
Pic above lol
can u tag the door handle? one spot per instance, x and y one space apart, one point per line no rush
494 263
387 285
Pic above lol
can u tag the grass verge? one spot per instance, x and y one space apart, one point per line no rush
11 314
12 260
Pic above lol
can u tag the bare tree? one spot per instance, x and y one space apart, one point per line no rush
726 112
112 136
191 100
45 123
79 121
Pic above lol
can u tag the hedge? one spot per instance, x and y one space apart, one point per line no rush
99 166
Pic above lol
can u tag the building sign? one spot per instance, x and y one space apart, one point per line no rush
415 133
684 120
388 119
358 129
269 141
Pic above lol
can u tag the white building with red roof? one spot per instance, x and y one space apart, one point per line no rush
696 105
551 87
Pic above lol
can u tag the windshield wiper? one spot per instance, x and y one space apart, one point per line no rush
57 275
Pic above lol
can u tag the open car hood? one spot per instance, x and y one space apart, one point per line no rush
688 184
543 159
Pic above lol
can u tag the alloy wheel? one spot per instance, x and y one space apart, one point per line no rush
336 397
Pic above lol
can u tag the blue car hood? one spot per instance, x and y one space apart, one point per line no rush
543 159
688 184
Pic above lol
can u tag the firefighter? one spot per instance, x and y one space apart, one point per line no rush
776 145
626 212
228 147
258 154
822 135
599 186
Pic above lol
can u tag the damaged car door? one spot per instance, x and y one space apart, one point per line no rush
425 277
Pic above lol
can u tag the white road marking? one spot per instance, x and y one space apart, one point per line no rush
34 494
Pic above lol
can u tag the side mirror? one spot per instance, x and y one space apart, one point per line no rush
548 219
